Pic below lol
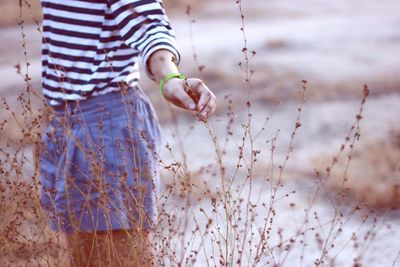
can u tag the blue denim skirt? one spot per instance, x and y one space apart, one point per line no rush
99 163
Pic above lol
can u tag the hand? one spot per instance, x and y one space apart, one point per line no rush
191 94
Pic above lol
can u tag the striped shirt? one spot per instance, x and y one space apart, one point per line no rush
91 46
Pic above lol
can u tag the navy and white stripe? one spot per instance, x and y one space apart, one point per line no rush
90 46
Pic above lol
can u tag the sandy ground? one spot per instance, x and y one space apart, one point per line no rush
373 240
337 46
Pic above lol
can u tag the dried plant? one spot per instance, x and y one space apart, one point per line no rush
224 212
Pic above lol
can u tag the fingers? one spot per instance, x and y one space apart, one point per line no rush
196 96
200 89
178 96
209 108
206 103
185 100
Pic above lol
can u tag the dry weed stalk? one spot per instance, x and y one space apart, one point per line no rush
208 216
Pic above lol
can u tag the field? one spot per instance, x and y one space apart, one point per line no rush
300 165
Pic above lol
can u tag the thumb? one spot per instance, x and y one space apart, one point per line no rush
177 95
184 98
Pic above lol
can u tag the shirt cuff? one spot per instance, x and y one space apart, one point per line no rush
157 44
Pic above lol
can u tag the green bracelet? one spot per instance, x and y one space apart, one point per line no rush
169 77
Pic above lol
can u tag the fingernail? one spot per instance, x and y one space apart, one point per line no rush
192 106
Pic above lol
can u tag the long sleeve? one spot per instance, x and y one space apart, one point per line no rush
144 26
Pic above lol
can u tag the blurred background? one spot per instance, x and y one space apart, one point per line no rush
336 46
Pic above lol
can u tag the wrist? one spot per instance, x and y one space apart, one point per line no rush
168 77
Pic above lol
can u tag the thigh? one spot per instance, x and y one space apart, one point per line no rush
106 177
111 248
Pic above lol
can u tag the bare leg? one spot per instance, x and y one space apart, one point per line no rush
111 248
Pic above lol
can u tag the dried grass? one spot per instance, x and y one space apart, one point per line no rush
25 238
213 215
10 12
374 173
